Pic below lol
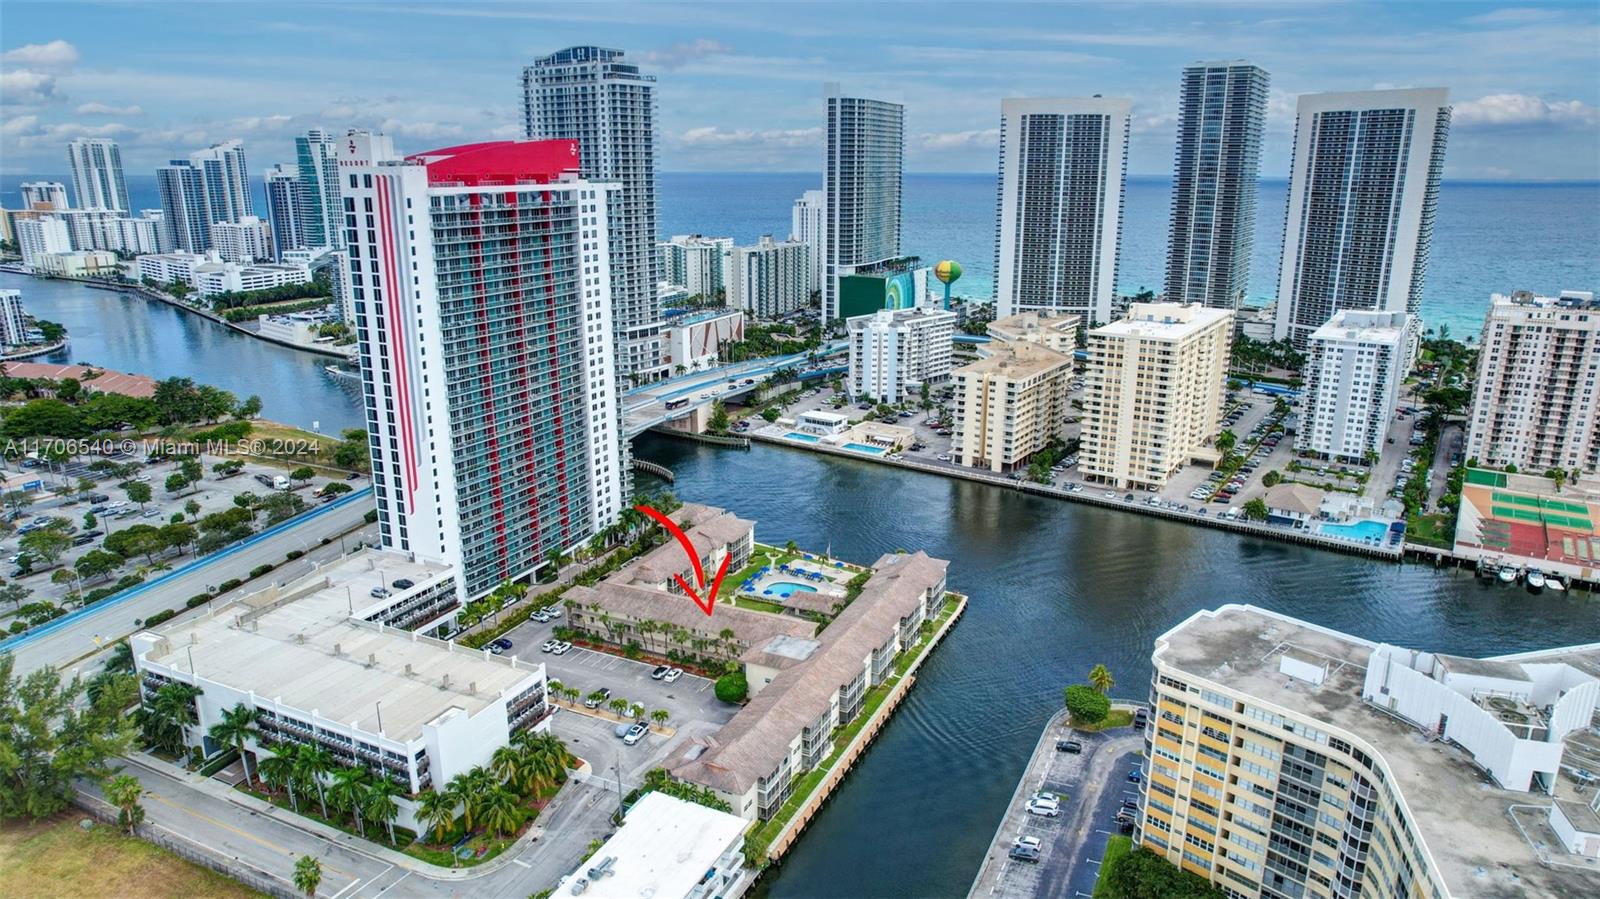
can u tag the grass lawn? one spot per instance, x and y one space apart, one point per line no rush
291 445
55 858
758 605
1433 529
1116 848
1116 718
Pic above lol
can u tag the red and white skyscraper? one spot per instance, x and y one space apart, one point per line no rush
479 277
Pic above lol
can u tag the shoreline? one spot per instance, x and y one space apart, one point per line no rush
35 352
1251 528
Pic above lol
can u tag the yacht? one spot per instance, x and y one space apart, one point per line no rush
1553 583
1535 581
1507 574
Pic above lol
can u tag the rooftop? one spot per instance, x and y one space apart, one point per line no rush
107 381
641 603
1294 498
1460 812
664 848
708 529
298 645
1163 321
752 744
1028 322
1016 360
499 162
1364 324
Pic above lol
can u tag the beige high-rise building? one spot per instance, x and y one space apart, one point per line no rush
1534 405
1010 404
1286 759
1056 330
1153 395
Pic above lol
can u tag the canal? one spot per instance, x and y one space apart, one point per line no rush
129 333
1056 587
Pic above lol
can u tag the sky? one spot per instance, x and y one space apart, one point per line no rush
740 84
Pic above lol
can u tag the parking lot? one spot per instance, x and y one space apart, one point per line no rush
1093 785
113 510
692 705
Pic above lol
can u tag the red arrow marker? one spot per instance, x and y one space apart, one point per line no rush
709 601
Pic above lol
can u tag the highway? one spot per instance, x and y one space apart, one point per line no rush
645 407
67 640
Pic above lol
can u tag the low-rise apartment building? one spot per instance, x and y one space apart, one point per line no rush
1534 403
209 274
1286 759
893 352
1010 405
1355 365
805 690
331 660
667 848
1154 391
78 264
1056 330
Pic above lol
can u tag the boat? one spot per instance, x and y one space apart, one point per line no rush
1535 581
1553 584
1507 575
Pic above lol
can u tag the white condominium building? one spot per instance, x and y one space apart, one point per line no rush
893 352
1362 190
111 229
862 185
247 240
594 96
1286 759
697 264
1063 173
13 325
1354 368
226 180
478 277
1213 220
1056 330
1534 402
44 195
770 278
1010 405
97 174
1154 393
41 235
807 224
185 211
666 848
285 195
319 210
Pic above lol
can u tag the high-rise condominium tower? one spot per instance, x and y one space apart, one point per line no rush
1218 156
318 163
97 174
44 195
227 182
1362 191
478 276
185 214
284 197
593 96
806 220
1063 171
862 183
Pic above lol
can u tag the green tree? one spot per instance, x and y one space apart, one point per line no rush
1141 874
500 812
380 804
1086 704
250 408
167 715
123 791
89 521
14 594
1226 441
176 483
138 492
193 508
719 422
732 687
314 763
308 875
278 773
1256 509
302 474
48 542
48 737
1271 478
96 563
1100 678
436 811
660 716
349 793
237 725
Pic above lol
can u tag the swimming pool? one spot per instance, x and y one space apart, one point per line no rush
863 448
803 438
787 589
1360 530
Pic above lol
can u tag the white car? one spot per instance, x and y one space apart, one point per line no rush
552 611
1044 809
635 734
561 648
549 645
672 675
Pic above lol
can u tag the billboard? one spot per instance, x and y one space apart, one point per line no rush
864 294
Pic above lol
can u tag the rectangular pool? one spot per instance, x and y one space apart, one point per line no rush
803 438
1367 531
863 448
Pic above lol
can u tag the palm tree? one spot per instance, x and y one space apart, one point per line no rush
121 658
464 789
123 791
660 716
278 770
1100 678
436 811
236 726
349 791
380 804
1226 441
509 764
314 762
308 875
170 714
500 812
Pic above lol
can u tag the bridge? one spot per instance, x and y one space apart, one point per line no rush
646 407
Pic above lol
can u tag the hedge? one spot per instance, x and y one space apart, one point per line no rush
161 617
199 599
293 554
259 570
228 584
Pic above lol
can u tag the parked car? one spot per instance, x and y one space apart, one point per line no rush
1026 849
635 733
673 675
561 650
593 702
1069 746
404 583
1134 776
552 611
378 592
499 646
549 645
1044 809
660 672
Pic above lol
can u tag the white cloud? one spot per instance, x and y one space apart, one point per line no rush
58 54
423 130
712 136
957 140
105 109
684 52
1500 110
22 87
19 125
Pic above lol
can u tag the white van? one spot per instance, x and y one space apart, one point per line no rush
1232 513
280 483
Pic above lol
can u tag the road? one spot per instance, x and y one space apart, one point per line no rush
80 634
644 407
241 830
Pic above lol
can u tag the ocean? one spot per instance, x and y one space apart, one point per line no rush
1488 237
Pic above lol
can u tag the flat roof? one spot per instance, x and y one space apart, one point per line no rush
1460 813
1163 321
298 645
1016 360
664 848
